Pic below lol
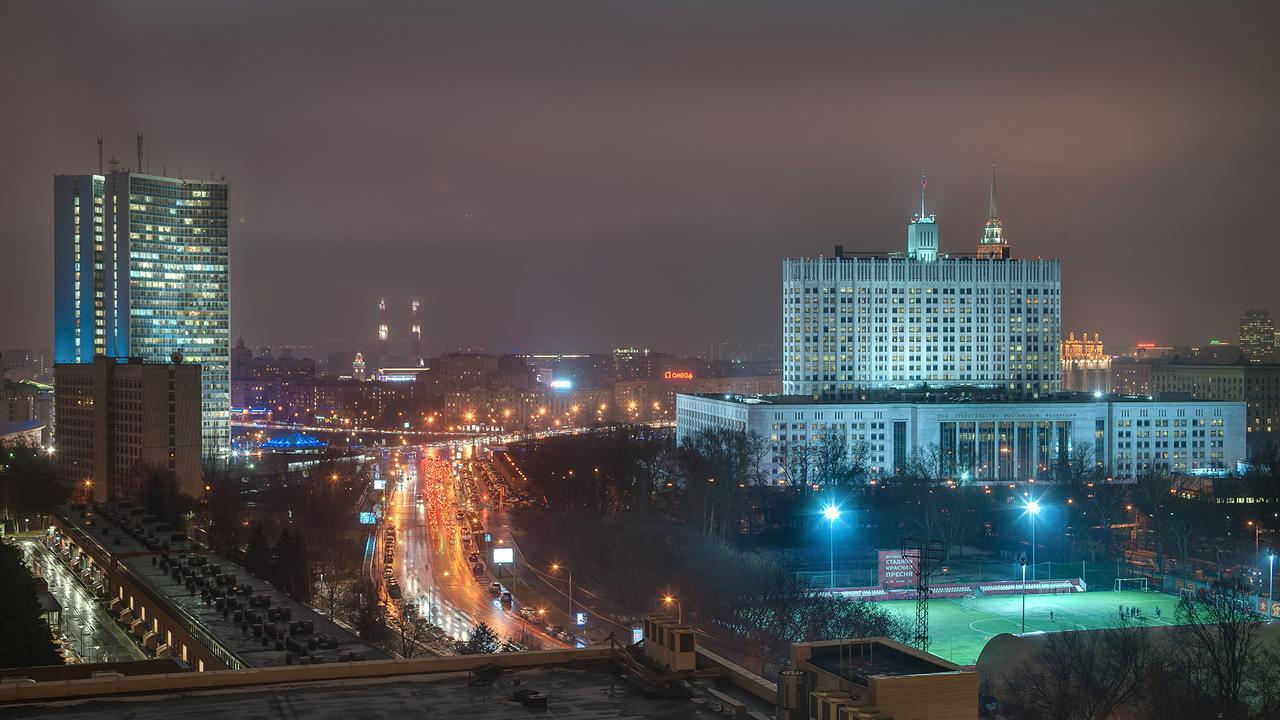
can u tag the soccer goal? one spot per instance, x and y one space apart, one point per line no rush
1123 584
967 601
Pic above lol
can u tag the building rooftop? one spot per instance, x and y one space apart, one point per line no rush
152 552
956 395
857 660
572 693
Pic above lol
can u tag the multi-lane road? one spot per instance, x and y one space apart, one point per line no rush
432 551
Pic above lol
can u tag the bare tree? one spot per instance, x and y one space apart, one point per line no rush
410 629
1216 651
798 460
832 469
1091 675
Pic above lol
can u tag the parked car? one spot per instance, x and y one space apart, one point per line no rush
495 588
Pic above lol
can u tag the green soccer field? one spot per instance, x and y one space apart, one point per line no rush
959 633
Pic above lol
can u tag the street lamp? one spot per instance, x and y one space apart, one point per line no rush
667 600
832 513
1023 562
1271 581
1033 509
1257 542
555 567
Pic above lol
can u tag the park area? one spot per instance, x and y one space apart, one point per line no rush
959 628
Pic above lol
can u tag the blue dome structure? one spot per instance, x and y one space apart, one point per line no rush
294 441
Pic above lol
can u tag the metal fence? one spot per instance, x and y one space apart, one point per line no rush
1096 575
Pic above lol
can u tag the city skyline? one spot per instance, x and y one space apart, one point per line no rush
740 157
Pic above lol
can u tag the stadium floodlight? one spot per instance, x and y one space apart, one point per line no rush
1033 508
832 513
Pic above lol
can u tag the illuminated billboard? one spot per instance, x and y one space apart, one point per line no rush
503 556
368 518
677 375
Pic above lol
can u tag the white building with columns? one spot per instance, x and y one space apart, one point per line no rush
986 440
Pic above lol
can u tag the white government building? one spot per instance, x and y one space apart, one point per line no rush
958 355
876 321
986 441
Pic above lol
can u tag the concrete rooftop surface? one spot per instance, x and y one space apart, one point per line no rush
572 693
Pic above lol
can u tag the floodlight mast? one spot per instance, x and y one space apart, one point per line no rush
924 557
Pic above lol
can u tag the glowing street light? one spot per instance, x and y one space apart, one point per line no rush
832 513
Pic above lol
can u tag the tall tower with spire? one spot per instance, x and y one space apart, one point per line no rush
922 233
415 330
384 332
993 246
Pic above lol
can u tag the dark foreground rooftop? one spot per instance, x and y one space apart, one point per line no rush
572 693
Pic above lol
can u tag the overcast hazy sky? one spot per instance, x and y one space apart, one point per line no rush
555 175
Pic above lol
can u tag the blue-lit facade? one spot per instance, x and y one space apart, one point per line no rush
141 270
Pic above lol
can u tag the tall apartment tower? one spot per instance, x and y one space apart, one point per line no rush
141 270
866 322
1258 336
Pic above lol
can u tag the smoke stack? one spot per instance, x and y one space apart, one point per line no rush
416 331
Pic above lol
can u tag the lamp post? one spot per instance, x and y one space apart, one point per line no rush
1271 581
1023 561
1033 509
667 600
569 571
832 513
1257 542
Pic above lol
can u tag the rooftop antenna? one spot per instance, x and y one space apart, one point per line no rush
99 149
924 183
991 202
139 152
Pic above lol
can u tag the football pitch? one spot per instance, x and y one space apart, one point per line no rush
959 633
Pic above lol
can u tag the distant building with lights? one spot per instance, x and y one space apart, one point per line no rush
1256 385
1086 367
1258 336
141 270
855 322
1128 376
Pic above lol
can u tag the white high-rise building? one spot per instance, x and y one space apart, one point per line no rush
854 322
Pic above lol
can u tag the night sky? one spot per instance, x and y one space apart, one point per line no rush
554 176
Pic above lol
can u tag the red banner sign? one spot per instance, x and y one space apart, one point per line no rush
896 571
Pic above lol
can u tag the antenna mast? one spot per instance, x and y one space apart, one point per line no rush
139 152
923 184
99 149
